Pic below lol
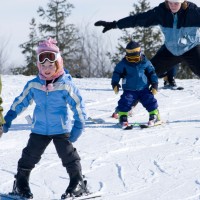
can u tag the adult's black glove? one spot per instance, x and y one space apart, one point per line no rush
116 87
107 25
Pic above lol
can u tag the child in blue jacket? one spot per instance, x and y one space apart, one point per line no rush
137 74
52 90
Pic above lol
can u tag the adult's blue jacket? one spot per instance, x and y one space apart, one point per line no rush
51 113
181 30
135 76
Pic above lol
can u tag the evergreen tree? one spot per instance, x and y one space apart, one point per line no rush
185 72
29 51
149 38
4 56
66 34
55 16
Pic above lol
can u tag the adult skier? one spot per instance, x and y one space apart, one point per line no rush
179 22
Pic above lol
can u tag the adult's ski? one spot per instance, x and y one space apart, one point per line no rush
172 88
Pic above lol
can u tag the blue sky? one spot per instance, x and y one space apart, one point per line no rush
16 16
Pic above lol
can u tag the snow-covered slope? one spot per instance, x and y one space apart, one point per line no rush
160 163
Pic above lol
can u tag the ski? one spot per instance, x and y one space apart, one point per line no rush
173 88
17 197
129 127
85 196
11 197
14 194
179 88
96 120
150 126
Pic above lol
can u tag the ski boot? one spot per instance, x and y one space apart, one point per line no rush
172 83
154 117
123 120
21 184
165 81
115 115
77 186
130 113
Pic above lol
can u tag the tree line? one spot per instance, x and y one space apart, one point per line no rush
85 54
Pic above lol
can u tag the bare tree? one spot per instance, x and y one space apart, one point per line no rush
93 59
3 54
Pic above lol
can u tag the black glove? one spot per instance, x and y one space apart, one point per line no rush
107 25
116 87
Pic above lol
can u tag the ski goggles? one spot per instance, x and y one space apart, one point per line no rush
133 55
133 59
48 55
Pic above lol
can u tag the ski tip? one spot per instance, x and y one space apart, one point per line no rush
129 127
144 126
180 88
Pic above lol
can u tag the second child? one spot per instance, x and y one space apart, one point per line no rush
137 74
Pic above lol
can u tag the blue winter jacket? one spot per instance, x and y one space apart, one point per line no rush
181 30
135 76
51 113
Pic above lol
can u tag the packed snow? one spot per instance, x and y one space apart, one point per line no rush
159 163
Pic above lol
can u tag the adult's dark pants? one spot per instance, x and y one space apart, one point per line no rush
164 60
172 73
36 146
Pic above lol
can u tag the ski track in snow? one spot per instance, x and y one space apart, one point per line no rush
160 163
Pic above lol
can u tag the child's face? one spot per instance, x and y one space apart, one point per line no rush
48 69
174 6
